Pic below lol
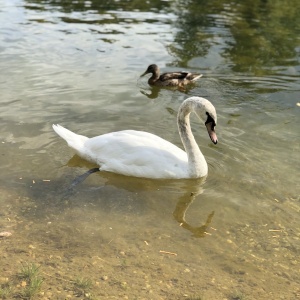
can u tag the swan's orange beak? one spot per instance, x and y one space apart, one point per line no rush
210 126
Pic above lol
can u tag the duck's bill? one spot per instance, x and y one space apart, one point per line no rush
144 74
211 132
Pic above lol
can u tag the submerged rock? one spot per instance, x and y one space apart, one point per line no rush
5 234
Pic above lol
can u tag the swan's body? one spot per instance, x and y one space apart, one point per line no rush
171 79
142 154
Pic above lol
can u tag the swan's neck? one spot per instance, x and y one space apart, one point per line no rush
196 162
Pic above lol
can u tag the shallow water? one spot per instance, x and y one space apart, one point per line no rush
235 234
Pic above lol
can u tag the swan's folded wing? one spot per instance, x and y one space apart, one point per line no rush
137 153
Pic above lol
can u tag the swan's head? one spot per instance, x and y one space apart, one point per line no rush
207 113
151 69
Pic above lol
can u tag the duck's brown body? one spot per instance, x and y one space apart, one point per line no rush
171 79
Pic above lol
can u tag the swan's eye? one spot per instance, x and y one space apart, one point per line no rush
210 120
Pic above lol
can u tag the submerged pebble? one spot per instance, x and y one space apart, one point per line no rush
5 234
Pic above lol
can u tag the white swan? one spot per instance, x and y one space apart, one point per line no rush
142 154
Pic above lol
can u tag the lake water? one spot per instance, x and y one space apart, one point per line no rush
235 235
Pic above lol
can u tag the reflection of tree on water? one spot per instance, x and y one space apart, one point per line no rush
101 6
250 35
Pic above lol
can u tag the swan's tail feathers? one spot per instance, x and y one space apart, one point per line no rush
75 141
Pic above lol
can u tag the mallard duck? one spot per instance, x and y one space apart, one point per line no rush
143 154
171 78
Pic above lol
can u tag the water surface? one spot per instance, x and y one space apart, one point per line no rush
235 234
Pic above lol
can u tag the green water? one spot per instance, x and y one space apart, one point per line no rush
236 235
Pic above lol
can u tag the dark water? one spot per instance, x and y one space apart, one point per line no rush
77 63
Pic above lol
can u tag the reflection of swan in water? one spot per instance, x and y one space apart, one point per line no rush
188 189
179 215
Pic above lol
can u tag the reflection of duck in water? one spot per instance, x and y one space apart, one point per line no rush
142 154
170 79
151 93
